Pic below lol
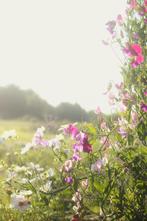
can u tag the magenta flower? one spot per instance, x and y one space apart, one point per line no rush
145 93
72 130
134 51
144 107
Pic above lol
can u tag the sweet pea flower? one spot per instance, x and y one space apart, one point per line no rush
96 167
144 107
68 166
133 4
134 117
119 20
145 93
134 51
69 180
105 142
76 156
111 26
72 130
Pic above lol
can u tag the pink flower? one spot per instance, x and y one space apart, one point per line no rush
72 130
98 110
133 4
122 132
139 59
105 141
144 107
119 86
145 2
134 117
145 93
119 19
134 51
103 125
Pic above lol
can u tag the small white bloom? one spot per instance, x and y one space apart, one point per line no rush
46 187
8 134
51 172
20 202
27 147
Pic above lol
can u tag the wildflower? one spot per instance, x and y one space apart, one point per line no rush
20 202
119 20
76 156
144 107
72 130
96 167
111 26
69 180
145 93
105 141
68 165
134 51
133 4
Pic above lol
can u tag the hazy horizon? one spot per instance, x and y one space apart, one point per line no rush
55 48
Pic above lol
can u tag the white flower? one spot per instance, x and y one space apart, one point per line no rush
20 202
51 172
27 147
46 187
8 134
26 192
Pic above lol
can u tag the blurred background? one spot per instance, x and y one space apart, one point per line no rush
54 65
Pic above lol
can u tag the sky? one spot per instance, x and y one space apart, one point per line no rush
55 48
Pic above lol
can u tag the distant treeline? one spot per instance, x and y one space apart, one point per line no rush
18 103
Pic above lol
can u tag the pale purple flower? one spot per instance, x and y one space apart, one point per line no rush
97 166
122 132
105 141
69 180
76 157
111 26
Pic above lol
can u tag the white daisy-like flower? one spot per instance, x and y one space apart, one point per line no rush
20 202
